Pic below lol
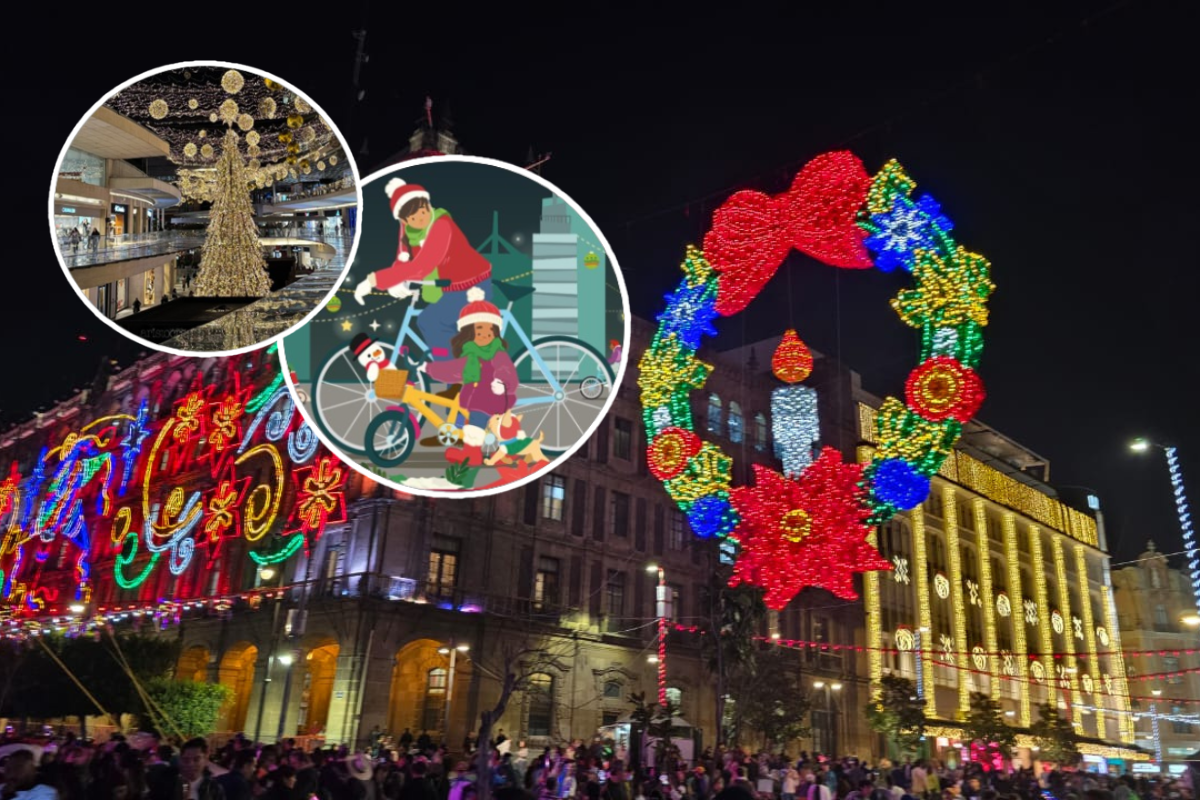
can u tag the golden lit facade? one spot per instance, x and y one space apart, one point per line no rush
998 588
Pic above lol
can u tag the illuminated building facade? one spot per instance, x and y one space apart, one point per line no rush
1154 604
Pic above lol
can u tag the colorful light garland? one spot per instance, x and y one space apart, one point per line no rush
835 212
160 491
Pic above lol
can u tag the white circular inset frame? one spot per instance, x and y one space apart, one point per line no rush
245 71
304 394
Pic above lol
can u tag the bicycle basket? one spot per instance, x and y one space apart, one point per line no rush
391 383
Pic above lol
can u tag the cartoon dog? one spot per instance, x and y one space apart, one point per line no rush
514 442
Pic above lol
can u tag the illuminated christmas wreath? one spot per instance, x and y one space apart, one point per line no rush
811 528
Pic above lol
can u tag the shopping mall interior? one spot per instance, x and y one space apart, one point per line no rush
205 208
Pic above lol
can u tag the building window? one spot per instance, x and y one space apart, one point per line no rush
1177 725
1155 578
1161 621
623 438
554 494
678 530
735 422
609 718
435 699
443 566
675 610
545 584
760 432
616 594
619 519
541 704
714 414
1170 664
934 504
612 690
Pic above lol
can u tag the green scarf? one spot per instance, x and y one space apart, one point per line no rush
473 369
430 294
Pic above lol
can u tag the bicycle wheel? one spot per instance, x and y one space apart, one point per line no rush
390 438
564 415
344 401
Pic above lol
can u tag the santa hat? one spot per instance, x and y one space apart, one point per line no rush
478 309
399 193
360 343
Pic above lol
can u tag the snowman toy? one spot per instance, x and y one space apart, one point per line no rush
370 355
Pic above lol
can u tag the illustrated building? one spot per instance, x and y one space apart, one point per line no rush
371 591
1155 604
569 269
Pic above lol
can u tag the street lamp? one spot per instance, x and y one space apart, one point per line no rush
661 610
1181 508
77 608
452 649
267 573
287 659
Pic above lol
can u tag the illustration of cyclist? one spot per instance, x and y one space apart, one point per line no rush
432 248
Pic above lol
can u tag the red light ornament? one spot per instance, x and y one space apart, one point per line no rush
792 361
941 388
669 452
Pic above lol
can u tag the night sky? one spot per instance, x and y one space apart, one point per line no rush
1060 142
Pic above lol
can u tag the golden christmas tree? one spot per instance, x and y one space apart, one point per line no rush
231 263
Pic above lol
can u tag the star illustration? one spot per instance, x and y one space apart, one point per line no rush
374 326
804 531
347 325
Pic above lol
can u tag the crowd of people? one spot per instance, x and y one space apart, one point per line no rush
415 768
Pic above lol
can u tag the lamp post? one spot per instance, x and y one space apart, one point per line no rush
1185 516
452 650
288 660
266 573
661 610
830 726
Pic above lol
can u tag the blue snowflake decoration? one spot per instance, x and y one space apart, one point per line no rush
712 515
898 484
690 313
131 445
896 235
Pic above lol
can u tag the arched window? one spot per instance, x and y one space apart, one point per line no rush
735 422
435 699
714 413
541 704
760 432
1161 621
612 689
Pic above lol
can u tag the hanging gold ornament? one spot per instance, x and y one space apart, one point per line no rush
285 137
304 164
308 135
290 160
295 121
228 111
306 169
293 148
320 165
232 81
203 134
252 138
245 121
292 174
333 160
212 117
301 105
272 85
159 109
193 104
207 151
267 108
254 163
253 150
189 149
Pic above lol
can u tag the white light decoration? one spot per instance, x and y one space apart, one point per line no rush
973 593
1077 623
1003 605
1056 621
1010 663
945 342
905 640
941 585
1089 685
979 657
1185 521
1108 683
1031 612
1037 671
661 417
901 572
1102 635
947 647
795 426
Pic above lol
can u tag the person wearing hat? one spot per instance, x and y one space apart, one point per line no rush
482 366
362 777
432 248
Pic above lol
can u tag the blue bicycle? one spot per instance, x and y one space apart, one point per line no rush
563 381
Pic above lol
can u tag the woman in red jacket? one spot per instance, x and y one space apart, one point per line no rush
432 247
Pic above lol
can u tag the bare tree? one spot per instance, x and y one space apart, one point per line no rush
521 653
